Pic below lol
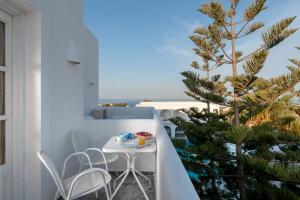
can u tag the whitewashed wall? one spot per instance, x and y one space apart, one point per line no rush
103 130
172 180
56 91
91 78
175 105
27 109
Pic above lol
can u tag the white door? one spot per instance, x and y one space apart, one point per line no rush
5 106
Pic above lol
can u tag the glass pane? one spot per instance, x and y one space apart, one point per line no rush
2 93
2 44
2 142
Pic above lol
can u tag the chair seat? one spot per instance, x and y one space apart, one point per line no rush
98 160
87 183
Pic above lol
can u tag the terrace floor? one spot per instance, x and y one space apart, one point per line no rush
129 190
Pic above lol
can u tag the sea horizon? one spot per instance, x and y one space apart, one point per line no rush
133 102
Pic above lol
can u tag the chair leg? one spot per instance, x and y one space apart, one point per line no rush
109 188
80 168
96 194
106 192
56 195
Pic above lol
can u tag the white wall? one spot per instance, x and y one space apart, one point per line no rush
103 130
91 72
126 120
170 109
172 180
27 107
33 107
55 98
175 105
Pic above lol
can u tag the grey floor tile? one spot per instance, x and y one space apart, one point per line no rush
129 190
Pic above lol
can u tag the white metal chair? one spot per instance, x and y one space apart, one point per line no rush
81 184
82 143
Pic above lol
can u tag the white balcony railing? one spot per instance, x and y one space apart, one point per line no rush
172 181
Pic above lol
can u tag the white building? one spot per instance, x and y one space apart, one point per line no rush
170 109
49 84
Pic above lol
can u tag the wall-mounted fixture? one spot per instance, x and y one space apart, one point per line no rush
73 57
91 83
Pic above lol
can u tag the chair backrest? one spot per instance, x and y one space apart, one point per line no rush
47 162
80 142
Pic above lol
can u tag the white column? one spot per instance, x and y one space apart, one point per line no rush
173 127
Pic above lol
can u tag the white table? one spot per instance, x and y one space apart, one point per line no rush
112 146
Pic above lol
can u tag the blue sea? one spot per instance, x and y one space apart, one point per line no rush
133 102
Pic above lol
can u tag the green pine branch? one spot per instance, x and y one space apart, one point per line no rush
278 32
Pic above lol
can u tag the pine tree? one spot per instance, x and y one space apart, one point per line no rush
204 127
252 98
272 100
213 39
270 109
209 83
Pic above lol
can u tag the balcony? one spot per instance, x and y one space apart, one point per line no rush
170 178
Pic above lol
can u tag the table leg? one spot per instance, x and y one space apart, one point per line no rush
123 179
144 176
136 178
131 167
121 175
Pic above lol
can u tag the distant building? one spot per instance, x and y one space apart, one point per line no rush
171 109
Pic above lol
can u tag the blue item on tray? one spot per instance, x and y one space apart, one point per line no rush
125 136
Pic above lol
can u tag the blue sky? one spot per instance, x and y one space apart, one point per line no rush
144 45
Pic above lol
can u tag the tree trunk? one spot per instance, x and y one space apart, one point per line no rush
236 111
240 173
234 73
208 102
240 167
213 181
208 106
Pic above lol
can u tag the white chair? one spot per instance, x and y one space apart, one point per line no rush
81 184
82 143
